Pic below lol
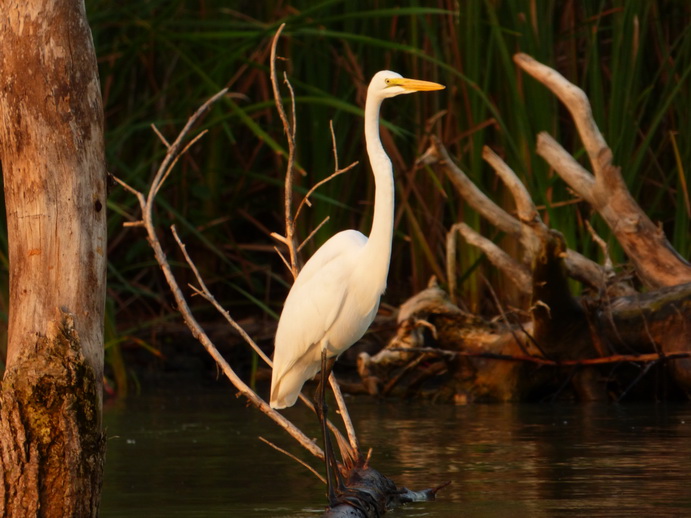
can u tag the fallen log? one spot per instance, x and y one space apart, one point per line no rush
439 352
370 494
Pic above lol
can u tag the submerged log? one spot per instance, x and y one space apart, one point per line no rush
370 494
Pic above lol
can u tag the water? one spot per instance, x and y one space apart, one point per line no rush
196 453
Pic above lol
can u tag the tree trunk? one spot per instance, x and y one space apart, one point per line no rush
52 156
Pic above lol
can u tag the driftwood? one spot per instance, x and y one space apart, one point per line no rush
566 341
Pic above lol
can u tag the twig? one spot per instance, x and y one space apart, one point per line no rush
333 175
347 421
500 308
314 231
172 155
177 157
290 240
160 136
207 295
609 266
603 360
643 372
288 454
333 144
146 204
290 167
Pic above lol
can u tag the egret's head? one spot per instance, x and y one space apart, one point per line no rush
390 84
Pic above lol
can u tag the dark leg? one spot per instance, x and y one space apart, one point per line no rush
321 409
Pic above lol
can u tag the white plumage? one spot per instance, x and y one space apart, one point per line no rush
336 295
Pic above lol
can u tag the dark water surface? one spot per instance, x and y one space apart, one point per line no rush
195 453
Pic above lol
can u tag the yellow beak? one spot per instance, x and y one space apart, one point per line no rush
416 85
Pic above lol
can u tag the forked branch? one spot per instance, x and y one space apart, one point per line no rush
146 203
526 225
655 260
350 450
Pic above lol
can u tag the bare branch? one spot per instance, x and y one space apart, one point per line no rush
515 271
206 294
347 421
525 208
319 184
290 455
311 234
177 157
172 154
160 136
573 173
474 196
181 302
285 261
290 167
657 263
575 101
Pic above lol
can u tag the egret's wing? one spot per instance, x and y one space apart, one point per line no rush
315 300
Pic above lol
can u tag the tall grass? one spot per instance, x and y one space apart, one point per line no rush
160 59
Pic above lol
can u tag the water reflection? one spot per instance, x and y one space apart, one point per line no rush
196 454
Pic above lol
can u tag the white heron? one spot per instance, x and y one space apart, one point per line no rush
336 294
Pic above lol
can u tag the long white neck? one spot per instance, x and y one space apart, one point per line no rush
378 249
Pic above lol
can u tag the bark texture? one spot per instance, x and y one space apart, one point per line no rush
53 164
51 446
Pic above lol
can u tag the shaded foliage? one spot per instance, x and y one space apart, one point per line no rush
159 60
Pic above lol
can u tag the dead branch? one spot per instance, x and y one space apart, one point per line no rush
349 449
515 271
146 205
540 360
474 196
655 260
289 238
527 228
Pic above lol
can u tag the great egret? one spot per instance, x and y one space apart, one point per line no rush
336 294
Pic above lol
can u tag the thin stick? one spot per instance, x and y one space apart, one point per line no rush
333 144
602 360
288 454
347 421
609 266
160 136
311 234
177 157
206 294
285 261
146 204
172 153
290 167
319 184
